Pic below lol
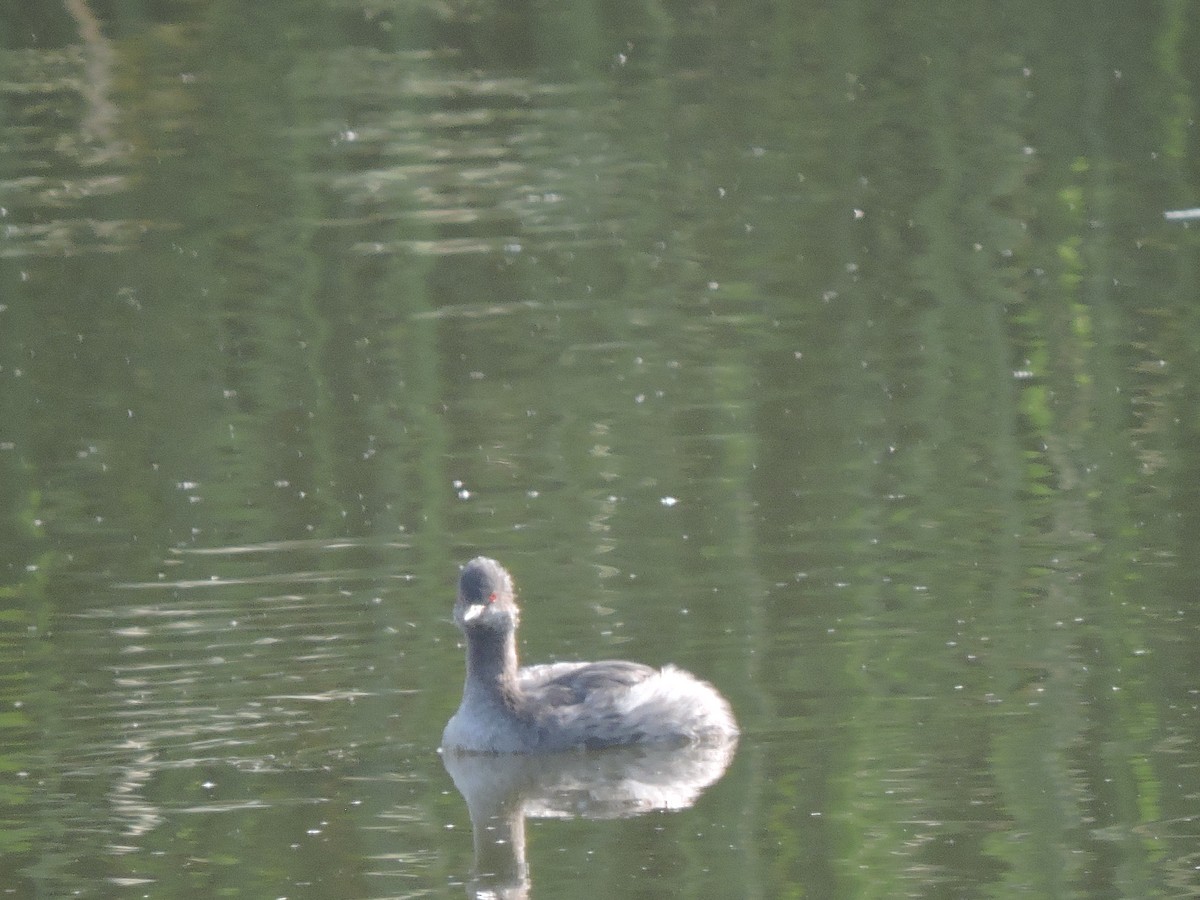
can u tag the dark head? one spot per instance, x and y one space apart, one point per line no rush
485 596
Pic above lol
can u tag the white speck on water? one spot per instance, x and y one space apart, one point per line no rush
669 501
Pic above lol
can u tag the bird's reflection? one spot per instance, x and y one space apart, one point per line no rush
502 790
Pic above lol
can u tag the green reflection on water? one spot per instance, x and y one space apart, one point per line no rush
840 355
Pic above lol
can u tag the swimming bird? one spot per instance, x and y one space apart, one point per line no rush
566 705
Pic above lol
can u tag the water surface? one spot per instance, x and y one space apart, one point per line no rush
841 355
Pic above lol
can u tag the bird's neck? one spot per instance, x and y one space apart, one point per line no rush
491 664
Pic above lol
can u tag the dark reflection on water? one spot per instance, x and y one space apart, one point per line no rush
844 359
501 791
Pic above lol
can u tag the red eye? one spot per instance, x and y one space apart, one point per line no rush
492 597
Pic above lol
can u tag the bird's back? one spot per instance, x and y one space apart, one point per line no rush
614 702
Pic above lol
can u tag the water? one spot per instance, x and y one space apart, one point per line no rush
842 356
